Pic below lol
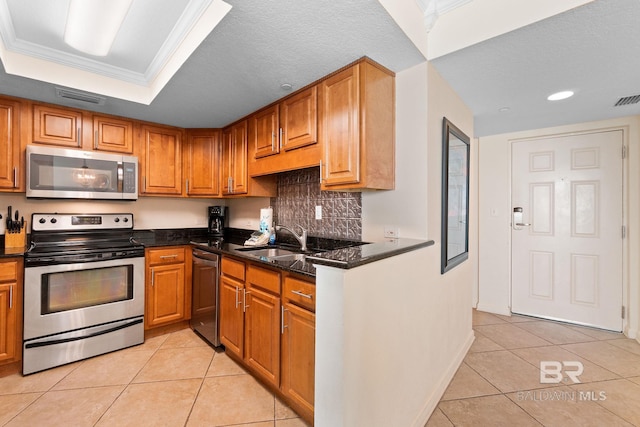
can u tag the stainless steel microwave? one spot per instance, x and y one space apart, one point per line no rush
60 173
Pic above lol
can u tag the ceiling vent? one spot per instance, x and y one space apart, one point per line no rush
76 95
628 100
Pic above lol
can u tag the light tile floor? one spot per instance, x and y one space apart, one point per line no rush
498 384
171 380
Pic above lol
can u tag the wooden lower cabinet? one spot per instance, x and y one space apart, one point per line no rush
267 324
298 355
168 287
262 323
232 315
10 310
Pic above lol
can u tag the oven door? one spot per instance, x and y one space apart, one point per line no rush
68 297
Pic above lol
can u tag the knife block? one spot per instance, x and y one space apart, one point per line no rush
16 240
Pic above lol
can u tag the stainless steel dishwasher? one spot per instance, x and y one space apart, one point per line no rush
204 307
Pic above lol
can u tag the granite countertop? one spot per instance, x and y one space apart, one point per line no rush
337 253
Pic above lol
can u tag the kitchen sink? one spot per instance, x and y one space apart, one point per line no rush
268 252
277 253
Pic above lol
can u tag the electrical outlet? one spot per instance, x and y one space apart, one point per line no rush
391 231
318 212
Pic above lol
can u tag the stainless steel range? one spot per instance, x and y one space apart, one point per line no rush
83 288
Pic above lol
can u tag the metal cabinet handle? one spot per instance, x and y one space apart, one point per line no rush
281 138
187 186
521 224
244 300
303 295
95 140
282 325
10 297
15 177
153 274
320 171
168 256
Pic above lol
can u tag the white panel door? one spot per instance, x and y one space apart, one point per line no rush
567 250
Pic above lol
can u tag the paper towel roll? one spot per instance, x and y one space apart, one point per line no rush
266 219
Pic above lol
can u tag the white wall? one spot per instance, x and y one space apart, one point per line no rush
495 207
399 329
389 337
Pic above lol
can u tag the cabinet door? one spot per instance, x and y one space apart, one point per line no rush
54 126
202 164
8 319
299 119
340 127
232 315
264 132
262 334
166 294
298 355
10 145
235 159
111 134
162 168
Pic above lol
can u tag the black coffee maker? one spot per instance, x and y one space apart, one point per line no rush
217 221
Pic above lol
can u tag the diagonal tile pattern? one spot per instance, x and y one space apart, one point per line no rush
170 380
178 380
499 382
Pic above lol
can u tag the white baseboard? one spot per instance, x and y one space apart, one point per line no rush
495 309
431 403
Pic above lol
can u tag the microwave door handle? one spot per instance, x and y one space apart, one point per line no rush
120 176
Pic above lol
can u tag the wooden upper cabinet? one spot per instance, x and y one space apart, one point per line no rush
11 173
112 134
264 132
339 128
234 159
202 163
299 119
284 136
357 128
160 160
57 126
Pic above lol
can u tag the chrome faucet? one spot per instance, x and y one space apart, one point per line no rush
302 238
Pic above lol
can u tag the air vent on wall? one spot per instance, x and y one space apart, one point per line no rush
76 95
628 100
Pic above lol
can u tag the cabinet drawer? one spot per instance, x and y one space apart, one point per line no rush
268 280
300 292
233 268
9 271
165 256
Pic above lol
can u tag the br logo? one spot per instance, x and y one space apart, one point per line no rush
551 371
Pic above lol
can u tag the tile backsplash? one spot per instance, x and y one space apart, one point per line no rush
299 194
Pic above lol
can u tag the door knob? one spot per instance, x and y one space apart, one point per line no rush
517 219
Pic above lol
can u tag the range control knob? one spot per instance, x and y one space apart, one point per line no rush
53 220
125 219
42 220
117 219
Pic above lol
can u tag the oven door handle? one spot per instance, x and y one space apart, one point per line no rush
95 334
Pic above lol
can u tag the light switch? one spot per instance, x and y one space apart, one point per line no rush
318 212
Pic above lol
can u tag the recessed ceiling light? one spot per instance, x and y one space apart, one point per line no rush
560 95
504 109
286 86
